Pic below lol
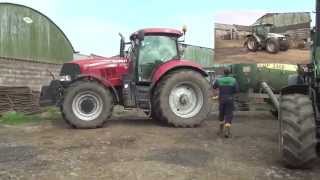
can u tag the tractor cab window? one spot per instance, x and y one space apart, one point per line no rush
263 30
155 50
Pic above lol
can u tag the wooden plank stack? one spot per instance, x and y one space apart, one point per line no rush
19 99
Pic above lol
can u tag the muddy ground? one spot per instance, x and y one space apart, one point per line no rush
137 148
241 55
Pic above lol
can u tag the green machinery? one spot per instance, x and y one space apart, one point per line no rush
297 107
250 76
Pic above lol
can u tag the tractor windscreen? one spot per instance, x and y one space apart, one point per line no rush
155 50
263 30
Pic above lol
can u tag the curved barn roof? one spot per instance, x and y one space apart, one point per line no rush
26 33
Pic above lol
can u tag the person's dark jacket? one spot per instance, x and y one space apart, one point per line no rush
227 86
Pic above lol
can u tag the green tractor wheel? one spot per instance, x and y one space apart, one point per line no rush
297 135
251 44
272 46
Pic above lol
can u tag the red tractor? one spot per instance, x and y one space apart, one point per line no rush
150 75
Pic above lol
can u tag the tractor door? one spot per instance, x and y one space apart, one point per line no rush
149 52
263 30
153 51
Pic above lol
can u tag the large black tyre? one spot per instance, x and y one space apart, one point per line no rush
159 121
297 137
284 45
272 46
182 99
87 105
251 44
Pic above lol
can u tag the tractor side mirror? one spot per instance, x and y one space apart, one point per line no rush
184 29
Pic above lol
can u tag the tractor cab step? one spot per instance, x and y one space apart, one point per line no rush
143 97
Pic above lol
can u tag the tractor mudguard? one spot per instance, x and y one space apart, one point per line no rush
247 37
101 80
173 65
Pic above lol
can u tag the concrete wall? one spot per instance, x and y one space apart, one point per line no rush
14 72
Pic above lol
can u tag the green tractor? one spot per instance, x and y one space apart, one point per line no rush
261 38
299 115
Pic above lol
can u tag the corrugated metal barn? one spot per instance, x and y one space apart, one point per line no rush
201 55
296 25
31 45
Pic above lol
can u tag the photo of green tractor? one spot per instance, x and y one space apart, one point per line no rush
261 38
270 38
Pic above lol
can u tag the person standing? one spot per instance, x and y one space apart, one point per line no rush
228 87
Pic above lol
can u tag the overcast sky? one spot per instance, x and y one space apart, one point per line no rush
93 26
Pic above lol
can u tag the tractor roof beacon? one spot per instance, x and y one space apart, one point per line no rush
148 74
299 115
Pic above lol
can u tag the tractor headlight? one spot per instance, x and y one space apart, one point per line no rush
65 78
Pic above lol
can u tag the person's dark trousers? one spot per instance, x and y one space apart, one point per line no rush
226 108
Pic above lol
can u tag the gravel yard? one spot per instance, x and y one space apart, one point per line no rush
133 147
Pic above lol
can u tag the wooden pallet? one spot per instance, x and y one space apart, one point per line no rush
19 99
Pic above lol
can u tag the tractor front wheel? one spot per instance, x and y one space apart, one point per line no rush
182 99
252 44
297 135
87 105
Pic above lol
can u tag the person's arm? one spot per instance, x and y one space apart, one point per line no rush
215 90
216 84
236 87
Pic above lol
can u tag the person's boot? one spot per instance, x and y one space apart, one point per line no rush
221 128
227 130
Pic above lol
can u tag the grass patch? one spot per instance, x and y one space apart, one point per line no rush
16 118
51 113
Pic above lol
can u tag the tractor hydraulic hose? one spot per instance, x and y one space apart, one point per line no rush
273 98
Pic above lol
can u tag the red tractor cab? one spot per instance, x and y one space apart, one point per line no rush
148 74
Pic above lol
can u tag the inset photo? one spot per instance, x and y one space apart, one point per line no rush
269 38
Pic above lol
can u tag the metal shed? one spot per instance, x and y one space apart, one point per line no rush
297 24
285 19
201 55
27 34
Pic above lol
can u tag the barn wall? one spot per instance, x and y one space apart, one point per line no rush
297 25
285 19
201 55
14 72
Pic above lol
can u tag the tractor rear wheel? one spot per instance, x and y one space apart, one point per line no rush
87 105
252 44
182 99
272 46
297 131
